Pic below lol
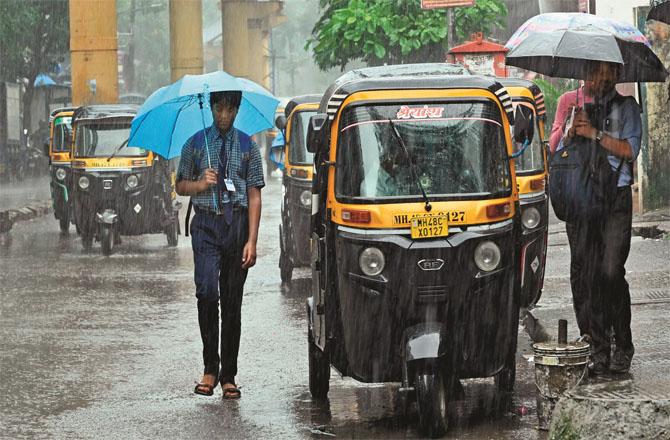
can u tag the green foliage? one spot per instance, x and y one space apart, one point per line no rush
393 31
33 36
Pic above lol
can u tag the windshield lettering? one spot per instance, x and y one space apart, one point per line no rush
425 112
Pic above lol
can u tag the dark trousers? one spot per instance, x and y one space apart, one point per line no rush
601 298
219 277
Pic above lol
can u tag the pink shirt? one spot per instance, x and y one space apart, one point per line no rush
562 112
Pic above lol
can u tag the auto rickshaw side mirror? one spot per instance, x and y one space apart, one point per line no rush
280 122
315 130
524 125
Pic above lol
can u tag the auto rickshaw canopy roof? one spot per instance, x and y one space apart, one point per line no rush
298 100
410 76
105 111
534 90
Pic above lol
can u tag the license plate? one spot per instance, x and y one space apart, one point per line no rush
429 226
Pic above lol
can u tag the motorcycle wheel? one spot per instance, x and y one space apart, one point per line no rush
171 234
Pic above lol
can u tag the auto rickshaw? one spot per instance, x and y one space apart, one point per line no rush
415 232
531 177
60 137
296 209
119 190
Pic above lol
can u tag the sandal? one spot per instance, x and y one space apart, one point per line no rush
231 393
205 389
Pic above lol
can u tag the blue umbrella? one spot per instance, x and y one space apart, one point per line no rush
277 150
43 80
174 113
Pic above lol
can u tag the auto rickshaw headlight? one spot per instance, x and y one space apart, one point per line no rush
132 181
372 261
531 217
487 256
83 182
60 174
306 198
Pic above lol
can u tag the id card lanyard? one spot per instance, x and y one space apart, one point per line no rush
230 186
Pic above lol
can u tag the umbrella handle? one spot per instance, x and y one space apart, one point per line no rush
204 127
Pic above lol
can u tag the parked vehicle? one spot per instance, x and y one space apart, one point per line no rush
531 177
415 234
12 143
119 190
60 165
296 208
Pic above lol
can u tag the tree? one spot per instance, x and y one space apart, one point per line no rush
33 36
393 31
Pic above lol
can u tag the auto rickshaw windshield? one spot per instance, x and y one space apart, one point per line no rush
457 149
102 139
62 134
298 154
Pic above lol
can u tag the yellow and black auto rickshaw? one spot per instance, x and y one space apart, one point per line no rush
118 190
531 177
60 138
296 209
414 234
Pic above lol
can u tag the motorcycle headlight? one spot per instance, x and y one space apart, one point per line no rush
60 174
531 218
487 256
132 181
306 198
372 261
83 182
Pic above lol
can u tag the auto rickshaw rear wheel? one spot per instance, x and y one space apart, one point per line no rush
319 369
106 239
171 234
64 223
87 241
431 399
285 267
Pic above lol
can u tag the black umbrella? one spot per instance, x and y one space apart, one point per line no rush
660 11
566 45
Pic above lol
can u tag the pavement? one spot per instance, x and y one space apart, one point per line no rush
635 405
107 347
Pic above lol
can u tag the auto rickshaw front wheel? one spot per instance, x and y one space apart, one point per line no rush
106 239
319 369
431 399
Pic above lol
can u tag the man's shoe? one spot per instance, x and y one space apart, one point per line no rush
621 362
597 368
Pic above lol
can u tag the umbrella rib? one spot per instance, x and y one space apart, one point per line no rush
174 125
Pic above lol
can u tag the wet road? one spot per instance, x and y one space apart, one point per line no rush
96 347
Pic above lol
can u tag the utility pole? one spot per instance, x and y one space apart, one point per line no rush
186 53
93 51
450 28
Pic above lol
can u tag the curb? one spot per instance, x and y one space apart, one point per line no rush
30 212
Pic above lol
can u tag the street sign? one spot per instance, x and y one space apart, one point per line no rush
438 4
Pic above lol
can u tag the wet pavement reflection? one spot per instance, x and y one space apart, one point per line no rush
108 347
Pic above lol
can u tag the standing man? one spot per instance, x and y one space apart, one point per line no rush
221 169
599 248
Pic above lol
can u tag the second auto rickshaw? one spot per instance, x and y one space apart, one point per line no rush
60 165
118 190
414 234
296 208
531 177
